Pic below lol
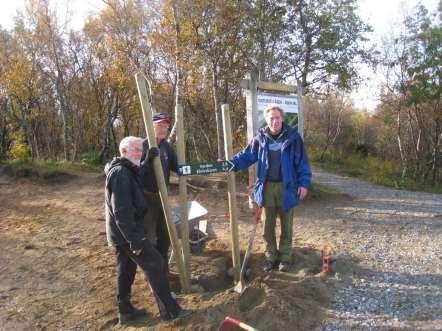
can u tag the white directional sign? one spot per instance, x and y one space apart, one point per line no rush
205 168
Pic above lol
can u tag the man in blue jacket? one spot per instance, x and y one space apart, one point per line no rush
283 180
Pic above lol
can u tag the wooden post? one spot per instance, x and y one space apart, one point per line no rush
252 123
300 111
159 176
181 154
231 186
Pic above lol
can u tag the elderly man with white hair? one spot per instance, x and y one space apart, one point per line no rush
125 207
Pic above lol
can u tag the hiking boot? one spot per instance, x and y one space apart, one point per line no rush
268 266
183 313
284 266
128 313
126 318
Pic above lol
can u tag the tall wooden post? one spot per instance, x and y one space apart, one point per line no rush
181 154
300 110
159 176
231 187
252 122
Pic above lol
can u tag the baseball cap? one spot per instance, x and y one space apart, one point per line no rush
160 117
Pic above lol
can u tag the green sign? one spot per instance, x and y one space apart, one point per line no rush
205 168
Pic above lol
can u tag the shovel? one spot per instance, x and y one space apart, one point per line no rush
241 285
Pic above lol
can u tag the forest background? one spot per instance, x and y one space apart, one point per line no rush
70 96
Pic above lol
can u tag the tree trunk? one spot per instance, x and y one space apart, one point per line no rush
399 142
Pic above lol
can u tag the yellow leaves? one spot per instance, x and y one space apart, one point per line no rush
117 73
360 118
17 75
20 150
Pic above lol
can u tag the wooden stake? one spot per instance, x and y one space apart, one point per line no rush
181 154
252 123
231 186
159 176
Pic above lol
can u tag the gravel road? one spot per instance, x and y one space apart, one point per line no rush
394 240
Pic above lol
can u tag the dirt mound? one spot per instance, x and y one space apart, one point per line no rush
296 300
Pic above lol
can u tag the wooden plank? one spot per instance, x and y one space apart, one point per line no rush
231 186
300 111
252 123
181 155
269 86
159 176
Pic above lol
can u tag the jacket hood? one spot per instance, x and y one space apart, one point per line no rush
119 161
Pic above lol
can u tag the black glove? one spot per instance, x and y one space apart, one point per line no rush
151 154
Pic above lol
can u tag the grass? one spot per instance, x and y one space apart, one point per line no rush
372 169
48 168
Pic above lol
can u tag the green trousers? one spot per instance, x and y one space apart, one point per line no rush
272 210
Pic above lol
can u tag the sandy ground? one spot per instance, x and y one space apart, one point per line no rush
58 273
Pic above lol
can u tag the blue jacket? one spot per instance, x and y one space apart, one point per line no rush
295 168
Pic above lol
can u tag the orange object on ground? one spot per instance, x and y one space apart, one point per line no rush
231 323
326 255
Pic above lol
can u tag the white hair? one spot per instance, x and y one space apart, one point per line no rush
274 106
127 142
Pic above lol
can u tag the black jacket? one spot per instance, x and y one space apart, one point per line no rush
169 162
124 204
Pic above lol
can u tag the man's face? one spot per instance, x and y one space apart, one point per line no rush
161 130
134 152
274 121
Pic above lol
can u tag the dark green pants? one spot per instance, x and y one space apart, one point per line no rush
272 210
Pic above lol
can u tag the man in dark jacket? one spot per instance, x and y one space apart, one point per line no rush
154 221
125 206
283 179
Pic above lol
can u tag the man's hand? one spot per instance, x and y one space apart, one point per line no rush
137 252
302 193
152 153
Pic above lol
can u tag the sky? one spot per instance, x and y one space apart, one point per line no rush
380 14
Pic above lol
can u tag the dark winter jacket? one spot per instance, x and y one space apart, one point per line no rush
295 168
168 162
125 205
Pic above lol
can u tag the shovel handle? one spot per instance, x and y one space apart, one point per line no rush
258 213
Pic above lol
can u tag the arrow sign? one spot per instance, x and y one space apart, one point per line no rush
205 168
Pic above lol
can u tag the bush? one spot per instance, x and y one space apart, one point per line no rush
91 158
20 151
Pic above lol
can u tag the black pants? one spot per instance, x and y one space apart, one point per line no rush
155 226
153 266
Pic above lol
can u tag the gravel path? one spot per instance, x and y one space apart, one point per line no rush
394 240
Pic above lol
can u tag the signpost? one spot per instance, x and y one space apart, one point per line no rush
205 168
